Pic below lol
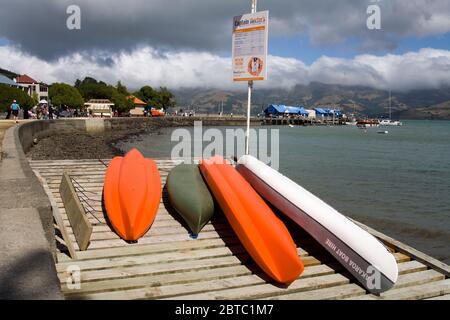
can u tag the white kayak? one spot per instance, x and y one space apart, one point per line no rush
357 250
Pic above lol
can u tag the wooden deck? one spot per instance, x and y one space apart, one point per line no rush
168 264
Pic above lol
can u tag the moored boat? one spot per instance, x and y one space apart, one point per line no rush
358 251
263 235
132 193
189 196
368 123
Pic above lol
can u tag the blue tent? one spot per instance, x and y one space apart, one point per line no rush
275 109
296 110
292 110
303 111
321 112
328 112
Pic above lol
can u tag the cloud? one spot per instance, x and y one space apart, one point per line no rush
39 27
424 69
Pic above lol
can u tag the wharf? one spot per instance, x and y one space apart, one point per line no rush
301 122
167 264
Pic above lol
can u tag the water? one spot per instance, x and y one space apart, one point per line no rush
397 183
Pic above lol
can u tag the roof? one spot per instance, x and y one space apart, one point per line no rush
137 101
274 108
7 81
320 110
99 101
25 79
295 110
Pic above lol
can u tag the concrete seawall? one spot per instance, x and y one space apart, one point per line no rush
27 245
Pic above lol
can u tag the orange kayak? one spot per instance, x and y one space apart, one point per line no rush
262 234
132 193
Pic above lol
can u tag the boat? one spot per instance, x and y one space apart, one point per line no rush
131 194
368 123
383 132
390 122
190 197
260 231
358 251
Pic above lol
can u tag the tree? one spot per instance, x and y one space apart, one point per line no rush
146 94
90 88
35 98
157 99
8 94
122 89
166 98
121 102
64 94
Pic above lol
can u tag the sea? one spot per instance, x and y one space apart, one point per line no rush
397 183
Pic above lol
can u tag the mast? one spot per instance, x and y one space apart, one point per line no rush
390 106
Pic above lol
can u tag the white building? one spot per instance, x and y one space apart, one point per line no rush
311 113
99 108
32 87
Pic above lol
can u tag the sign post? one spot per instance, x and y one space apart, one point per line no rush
250 38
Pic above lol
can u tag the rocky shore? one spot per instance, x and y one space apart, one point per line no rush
67 141
83 145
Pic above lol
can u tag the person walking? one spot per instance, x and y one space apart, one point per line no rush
15 110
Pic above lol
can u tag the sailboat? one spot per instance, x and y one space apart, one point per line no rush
390 122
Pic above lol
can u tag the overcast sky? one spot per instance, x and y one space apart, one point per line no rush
187 43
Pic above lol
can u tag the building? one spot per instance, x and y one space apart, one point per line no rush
32 87
282 110
99 108
139 107
311 113
274 110
328 113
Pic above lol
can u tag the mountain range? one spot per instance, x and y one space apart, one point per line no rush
363 101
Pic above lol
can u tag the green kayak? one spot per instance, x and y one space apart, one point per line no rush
189 196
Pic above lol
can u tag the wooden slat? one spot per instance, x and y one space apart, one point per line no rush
170 267
241 283
412 252
444 297
184 278
417 278
424 291
58 219
333 293
81 227
266 289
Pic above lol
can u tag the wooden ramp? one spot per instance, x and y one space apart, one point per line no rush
168 264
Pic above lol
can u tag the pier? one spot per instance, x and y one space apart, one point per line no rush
168 264
300 122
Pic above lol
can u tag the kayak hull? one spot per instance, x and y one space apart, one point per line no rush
189 196
358 251
132 193
263 235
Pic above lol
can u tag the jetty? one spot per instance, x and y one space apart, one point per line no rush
168 264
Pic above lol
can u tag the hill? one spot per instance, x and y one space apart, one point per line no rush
416 104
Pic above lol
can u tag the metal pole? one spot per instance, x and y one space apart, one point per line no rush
249 104
247 134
